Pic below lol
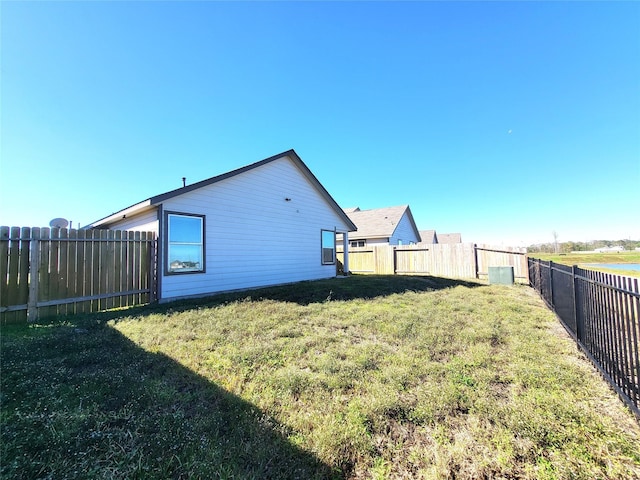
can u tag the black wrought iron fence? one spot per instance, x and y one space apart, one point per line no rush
600 311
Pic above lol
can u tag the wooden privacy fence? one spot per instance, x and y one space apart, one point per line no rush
46 272
456 260
600 311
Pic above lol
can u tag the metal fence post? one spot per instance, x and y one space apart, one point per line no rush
551 285
575 305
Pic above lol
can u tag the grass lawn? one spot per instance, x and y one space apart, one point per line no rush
584 259
365 377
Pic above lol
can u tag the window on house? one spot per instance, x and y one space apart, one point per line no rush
358 243
328 247
185 243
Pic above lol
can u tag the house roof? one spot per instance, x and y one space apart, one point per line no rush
449 238
428 236
150 203
379 222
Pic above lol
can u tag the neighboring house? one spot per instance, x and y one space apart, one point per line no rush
383 226
268 223
431 237
428 236
449 238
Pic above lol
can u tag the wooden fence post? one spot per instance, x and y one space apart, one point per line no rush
34 275
153 269
394 261
476 270
375 259
391 261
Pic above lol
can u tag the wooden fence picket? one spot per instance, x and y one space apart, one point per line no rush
52 271
462 260
14 262
84 274
130 259
4 267
23 269
63 266
94 268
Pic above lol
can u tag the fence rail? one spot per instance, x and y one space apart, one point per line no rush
46 272
601 312
460 260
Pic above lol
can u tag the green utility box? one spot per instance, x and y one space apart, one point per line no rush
501 275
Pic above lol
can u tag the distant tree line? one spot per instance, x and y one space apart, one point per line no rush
568 247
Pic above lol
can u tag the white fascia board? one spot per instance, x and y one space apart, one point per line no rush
132 210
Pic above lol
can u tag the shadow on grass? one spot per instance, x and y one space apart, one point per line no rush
305 293
80 400
355 287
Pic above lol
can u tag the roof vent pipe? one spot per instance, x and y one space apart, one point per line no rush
184 181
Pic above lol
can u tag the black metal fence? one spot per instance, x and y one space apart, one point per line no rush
600 311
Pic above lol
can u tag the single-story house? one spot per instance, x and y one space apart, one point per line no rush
383 226
267 223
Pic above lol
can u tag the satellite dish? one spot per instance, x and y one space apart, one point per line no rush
59 223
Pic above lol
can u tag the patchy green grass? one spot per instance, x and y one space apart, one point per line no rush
364 377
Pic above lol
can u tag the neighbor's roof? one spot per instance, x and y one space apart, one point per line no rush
449 238
158 199
428 236
378 222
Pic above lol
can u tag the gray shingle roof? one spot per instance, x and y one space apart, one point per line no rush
428 236
377 222
449 238
291 154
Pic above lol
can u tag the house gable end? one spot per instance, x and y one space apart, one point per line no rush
383 223
295 159
406 229
157 200
263 228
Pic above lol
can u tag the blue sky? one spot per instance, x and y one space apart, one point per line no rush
504 121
